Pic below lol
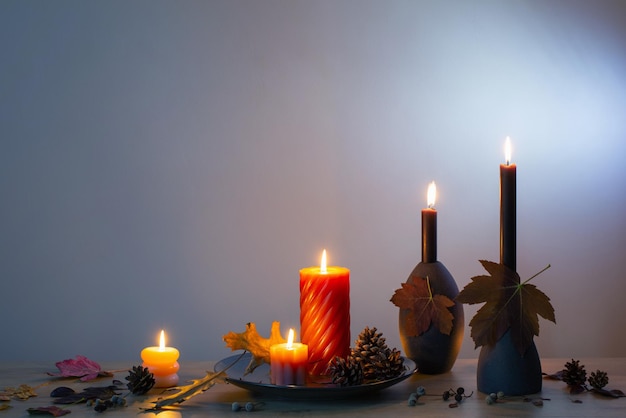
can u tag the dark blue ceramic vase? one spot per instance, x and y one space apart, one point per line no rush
501 367
433 351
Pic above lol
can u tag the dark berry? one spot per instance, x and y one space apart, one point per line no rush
458 397
446 395
460 390
100 407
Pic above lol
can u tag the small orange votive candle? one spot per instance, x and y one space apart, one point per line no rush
162 363
288 362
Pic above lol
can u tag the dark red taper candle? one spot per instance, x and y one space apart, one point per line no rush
429 227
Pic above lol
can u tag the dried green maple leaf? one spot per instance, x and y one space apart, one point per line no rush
509 305
423 307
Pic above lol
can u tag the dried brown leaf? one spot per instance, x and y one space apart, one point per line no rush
509 305
54 411
423 307
611 393
93 392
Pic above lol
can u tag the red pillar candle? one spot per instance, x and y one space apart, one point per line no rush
429 227
162 363
325 314
288 362
508 198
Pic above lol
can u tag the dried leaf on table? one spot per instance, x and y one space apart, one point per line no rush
22 393
81 367
251 341
54 411
611 393
5 406
186 392
424 307
196 387
95 392
554 376
509 305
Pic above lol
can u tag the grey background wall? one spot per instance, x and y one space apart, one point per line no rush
174 164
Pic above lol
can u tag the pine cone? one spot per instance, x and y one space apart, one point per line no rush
598 379
368 346
574 373
346 372
390 365
140 380
377 360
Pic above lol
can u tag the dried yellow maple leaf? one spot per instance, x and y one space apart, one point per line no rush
250 340
23 392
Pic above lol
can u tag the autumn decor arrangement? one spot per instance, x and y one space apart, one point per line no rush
430 320
431 325
370 360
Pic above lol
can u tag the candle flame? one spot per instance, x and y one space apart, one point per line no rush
507 150
431 195
290 338
323 263
162 341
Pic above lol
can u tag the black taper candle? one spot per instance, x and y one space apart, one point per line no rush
508 215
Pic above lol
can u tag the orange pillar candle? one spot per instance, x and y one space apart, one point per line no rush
288 362
325 314
162 363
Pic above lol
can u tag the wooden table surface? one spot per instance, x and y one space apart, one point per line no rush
390 402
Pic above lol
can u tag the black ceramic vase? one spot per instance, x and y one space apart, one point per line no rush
502 368
433 351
